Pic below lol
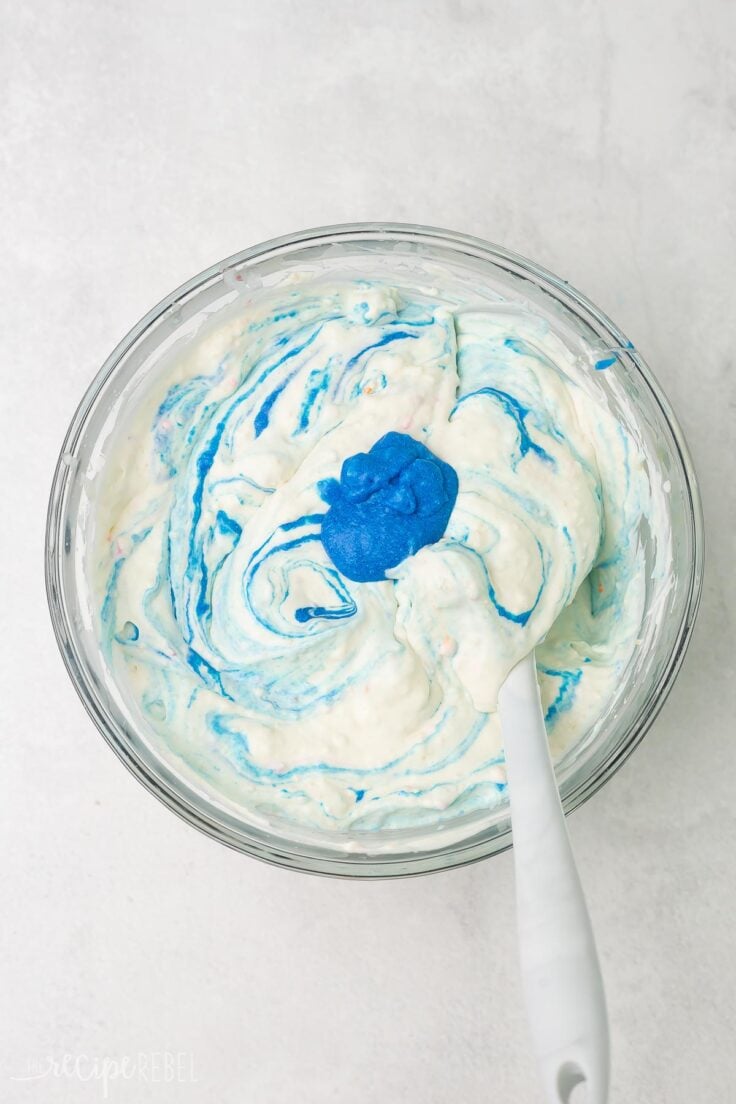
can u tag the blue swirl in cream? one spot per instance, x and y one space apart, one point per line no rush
292 679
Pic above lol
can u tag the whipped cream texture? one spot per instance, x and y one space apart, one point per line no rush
330 528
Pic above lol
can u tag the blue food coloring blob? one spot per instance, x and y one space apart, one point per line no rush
387 504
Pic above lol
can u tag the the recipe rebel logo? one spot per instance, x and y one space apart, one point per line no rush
149 1067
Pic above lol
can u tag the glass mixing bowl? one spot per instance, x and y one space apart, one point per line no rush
402 254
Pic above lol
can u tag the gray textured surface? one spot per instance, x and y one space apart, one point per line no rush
142 141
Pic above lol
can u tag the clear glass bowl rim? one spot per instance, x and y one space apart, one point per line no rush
274 849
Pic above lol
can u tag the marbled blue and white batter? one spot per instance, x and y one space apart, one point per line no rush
295 688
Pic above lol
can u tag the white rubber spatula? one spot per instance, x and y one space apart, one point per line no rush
563 988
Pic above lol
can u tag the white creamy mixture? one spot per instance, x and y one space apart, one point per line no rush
293 690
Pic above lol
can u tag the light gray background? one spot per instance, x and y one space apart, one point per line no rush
143 141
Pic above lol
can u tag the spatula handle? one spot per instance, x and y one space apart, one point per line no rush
562 981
